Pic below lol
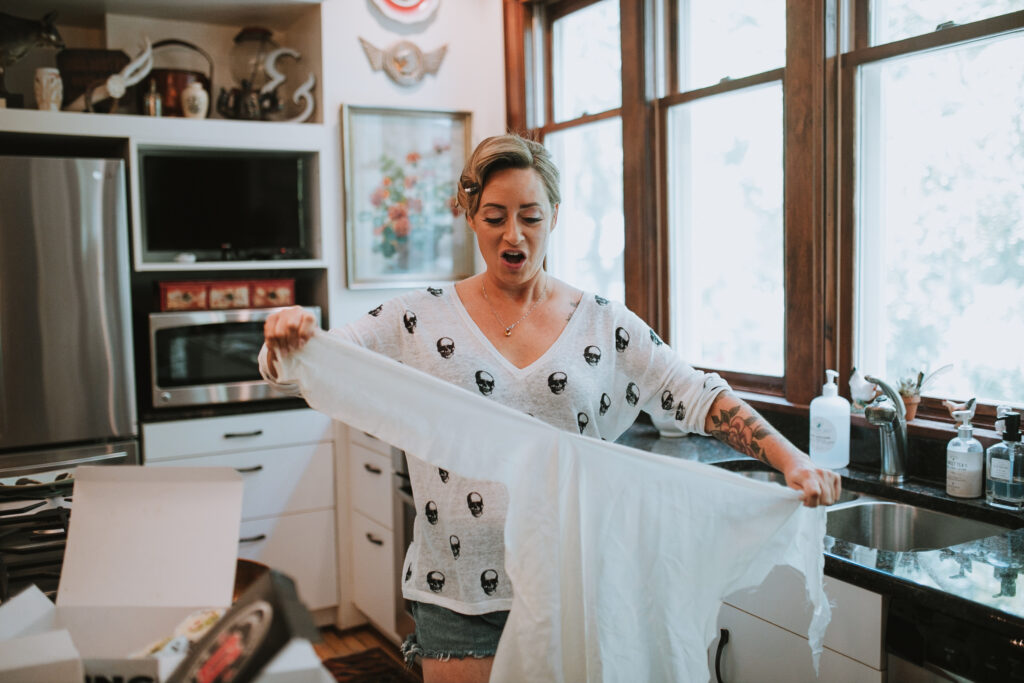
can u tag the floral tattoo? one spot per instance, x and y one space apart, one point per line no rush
743 434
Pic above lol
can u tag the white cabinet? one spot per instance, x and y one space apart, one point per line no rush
760 651
375 566
768 633
286 460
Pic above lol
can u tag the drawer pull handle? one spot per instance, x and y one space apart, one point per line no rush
247 470
723 638
371 468
373 539
242 435
370 435
253 539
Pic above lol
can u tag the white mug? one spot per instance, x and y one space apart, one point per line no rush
49 89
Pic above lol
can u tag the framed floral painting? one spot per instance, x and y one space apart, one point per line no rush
402 226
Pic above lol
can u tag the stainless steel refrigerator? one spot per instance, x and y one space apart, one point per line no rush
67 394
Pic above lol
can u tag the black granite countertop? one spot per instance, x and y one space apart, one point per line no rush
975 581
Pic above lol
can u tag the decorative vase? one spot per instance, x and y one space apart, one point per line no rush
195 101
49 89
911 403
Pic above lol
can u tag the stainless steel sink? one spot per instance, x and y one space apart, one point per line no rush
899 527
777 478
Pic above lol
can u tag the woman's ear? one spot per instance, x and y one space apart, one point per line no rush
554 219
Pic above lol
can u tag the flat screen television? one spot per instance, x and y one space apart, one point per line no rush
225 205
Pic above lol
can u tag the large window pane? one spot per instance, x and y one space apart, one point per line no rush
725 212
941 218
729 38
587 61
897 19
587 244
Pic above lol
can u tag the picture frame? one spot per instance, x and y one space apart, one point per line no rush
400 169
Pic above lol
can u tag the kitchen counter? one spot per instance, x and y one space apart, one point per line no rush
975 581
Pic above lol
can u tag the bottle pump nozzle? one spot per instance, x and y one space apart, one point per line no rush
830 388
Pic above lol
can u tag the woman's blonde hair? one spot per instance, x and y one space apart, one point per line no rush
497 154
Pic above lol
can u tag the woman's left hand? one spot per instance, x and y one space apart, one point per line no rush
820 486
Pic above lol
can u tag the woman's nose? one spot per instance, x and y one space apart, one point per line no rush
513 233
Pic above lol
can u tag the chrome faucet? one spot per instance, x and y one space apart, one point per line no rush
888 413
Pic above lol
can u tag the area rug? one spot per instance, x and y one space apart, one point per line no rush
371 666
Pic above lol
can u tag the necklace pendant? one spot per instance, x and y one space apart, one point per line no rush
508 331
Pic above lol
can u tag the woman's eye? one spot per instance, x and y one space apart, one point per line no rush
495 221
532 219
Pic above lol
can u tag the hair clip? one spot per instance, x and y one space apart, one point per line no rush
471 188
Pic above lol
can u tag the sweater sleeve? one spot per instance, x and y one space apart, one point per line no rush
675 395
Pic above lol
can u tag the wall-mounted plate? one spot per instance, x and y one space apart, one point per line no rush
407 11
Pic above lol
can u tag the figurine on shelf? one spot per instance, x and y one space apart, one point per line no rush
17 37
254 65
116 85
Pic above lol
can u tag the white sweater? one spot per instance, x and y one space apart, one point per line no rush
604 368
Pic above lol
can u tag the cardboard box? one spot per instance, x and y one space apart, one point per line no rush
146 548
270 293
183 296
229 295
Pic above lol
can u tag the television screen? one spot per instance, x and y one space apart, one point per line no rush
225 204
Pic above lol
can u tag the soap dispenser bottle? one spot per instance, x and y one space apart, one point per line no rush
965 458
1004 464
830 426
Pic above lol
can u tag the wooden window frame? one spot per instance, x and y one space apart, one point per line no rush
819 109
932 415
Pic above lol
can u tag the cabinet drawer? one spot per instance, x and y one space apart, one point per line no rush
368 441
182 438
277 480
301 546
373 571
763 652
857 614
370 484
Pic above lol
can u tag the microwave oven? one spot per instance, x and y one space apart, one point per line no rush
200 358
235 205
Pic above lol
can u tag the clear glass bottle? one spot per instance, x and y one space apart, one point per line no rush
1004 466
965 458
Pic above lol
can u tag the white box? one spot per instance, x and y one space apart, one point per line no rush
146 548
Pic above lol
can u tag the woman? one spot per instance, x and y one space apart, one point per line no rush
517 335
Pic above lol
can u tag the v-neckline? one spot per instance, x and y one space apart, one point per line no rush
475 330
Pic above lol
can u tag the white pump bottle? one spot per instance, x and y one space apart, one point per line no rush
830 426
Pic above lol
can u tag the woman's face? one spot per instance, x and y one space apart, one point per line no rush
512 224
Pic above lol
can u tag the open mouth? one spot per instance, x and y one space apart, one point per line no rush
513 257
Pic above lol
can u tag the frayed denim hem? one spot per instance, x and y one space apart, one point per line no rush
411 649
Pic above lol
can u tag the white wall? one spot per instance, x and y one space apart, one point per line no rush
471 78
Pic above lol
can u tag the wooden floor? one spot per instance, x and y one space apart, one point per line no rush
350 641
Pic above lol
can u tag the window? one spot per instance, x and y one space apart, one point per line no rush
830 184
584 134
939 231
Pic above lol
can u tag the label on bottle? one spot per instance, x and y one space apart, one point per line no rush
963 473
999 469
823 435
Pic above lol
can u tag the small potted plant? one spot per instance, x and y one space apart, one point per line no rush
911 386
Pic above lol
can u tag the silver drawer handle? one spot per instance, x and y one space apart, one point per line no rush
373 539
247 470
242 435
371 468
253 539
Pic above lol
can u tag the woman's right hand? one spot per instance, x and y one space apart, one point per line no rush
288 330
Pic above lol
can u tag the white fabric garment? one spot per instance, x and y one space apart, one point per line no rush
619 558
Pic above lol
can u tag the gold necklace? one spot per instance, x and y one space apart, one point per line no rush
509 328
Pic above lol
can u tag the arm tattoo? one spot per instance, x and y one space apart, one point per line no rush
744 434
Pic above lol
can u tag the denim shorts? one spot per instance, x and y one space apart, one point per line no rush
442 634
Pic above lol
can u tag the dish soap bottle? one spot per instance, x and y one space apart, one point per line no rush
830 426
1004 463
964 459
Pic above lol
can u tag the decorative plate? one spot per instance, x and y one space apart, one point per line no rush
407 11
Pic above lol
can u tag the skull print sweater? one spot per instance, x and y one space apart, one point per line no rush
605 367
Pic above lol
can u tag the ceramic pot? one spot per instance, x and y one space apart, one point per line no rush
195 101
911 403
49 89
